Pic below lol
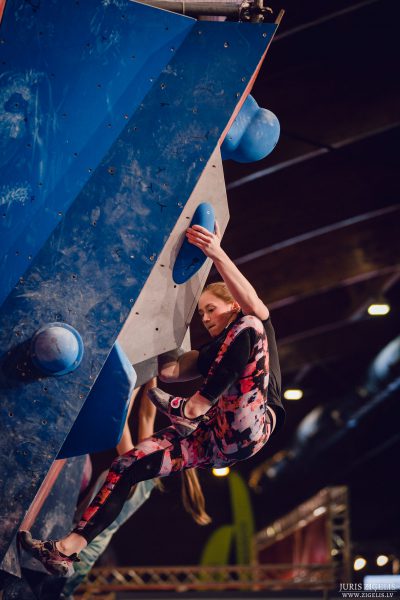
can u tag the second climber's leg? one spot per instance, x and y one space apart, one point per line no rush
161 452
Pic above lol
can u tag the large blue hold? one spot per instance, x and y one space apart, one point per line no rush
190 258
57 349
100 423
253 134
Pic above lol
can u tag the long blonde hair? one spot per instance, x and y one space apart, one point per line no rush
193 497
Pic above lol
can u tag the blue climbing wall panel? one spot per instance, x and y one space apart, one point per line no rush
88 268
73 74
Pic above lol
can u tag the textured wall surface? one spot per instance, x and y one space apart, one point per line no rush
84 70
163 310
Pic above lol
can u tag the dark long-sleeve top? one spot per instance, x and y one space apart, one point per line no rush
209 351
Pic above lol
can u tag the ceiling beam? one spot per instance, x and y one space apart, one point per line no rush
319 151
345 341
333 305
323 19
383 274
333 257
316 262
354 180
310 235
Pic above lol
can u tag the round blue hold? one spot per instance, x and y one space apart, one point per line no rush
57 349
253 134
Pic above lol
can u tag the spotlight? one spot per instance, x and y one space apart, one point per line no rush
378 309
382 560
222 472
359 563
293 394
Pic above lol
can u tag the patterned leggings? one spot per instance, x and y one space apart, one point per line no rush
238 427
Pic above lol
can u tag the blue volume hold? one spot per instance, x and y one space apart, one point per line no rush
101 420
190 258
56 349
253 134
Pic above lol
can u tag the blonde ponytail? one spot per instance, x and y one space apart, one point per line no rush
193 497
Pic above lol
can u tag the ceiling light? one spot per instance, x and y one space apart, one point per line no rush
302 522
382 560
319 511
359 563
293 394
222 472
378 309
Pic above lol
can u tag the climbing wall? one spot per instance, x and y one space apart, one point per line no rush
112 112
66 97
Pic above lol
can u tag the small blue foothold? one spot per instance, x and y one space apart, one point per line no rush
190 258
57 349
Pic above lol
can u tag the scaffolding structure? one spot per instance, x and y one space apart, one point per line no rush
201 578
330 502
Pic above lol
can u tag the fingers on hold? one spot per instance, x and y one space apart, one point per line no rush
200 228
198 236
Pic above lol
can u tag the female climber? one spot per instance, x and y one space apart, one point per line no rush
229 419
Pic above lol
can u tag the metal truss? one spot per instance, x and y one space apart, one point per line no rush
330 502
182 579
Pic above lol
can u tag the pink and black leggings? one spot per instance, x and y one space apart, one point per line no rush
239 425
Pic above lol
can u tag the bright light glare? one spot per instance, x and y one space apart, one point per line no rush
222 472
293 394
319 511
359 563
382 560
378 309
